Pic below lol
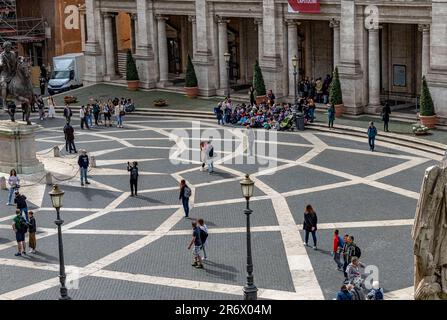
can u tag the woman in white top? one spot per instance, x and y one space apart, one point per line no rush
119 115
51 110
14 183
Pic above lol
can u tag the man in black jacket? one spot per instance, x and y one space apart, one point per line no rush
67 113
69 138
20 201
32 232
83 163
133 177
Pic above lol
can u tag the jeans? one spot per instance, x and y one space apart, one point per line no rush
385 126
83 172
24 212
185 203
84 121
119 120
133 186
371 143
337 260
331 123
210 166
96 115
11 194
325 99
220 121
314 237
312 114
70 146
90 120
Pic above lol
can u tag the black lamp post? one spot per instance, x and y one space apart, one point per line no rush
250 290
227 57
56 198
295 64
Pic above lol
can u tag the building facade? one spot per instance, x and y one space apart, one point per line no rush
382 48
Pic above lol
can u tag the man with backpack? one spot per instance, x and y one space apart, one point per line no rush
22 206
133 178
337 250
203 236
376 292
353 250
185 194
20 227
197 242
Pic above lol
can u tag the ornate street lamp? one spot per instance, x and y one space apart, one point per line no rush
56 199
227 58
295 64
250 290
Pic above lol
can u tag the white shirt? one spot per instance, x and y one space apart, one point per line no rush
81 113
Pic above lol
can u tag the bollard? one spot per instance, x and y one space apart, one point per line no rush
93 162
57 152
3 183
48 178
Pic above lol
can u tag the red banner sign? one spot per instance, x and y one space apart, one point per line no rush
304 6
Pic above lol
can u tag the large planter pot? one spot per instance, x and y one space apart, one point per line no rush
133 85
339 110
260 99
192 92
428 121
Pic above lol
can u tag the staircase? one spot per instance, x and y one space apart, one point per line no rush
122 63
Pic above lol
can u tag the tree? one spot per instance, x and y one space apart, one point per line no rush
335 94
131 72
258 81
190 78
427 107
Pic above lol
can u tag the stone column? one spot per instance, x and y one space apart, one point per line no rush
133 32
385 64
192 19
163 49
242 51
109 46
184 43
292 35
82 25
425 29
308 51
374 70
335 25
223 48
94 55
258 23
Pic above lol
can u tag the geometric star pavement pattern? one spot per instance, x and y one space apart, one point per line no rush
135 248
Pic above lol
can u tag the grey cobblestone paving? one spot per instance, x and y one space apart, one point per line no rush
14 278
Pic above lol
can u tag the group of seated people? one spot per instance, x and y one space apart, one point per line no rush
275 116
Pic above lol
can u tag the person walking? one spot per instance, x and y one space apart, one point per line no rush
219 114
372 133
96 111
185 194
386 111
20 227
69 138
41 108
133 178
83 117
344 293
89 115
42 85
353 269
107 115
251 140
310 225
68 113
345 251
337 250
20 201
14 184
196 241
32 233
51 107
331 115
202 155
251 94
209 157
83 162
203 236
119 114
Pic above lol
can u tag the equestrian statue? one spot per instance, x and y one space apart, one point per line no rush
15 82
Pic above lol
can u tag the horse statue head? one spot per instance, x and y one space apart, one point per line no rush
23 68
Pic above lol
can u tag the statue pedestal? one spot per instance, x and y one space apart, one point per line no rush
18 148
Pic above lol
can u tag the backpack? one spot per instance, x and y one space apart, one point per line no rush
22 226
378 295
357 251
211 152
203 235
187 192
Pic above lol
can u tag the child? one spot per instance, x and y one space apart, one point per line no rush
20 227
203 236
32 232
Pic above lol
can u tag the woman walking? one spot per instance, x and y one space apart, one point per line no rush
185 194
202 155
372 133
310 225
14 184
51 110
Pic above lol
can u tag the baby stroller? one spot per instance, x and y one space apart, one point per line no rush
287 123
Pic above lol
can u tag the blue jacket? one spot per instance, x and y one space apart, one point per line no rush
83 161
372 132
344 295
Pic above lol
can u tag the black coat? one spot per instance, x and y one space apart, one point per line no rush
386 111
310 220
69 132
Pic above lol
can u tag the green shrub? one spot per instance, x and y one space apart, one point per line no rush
258 81
190 78
131 72
427 107
335 94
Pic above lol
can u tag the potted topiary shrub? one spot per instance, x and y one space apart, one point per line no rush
133 81
258 84
335 94
427 114
191 85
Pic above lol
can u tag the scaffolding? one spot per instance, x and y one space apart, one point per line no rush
19 30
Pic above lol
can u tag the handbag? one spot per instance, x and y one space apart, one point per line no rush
122 113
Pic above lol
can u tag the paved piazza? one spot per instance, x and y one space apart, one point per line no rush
136 248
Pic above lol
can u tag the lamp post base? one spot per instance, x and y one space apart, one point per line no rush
250 293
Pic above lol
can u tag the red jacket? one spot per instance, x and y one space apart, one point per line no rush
336 242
